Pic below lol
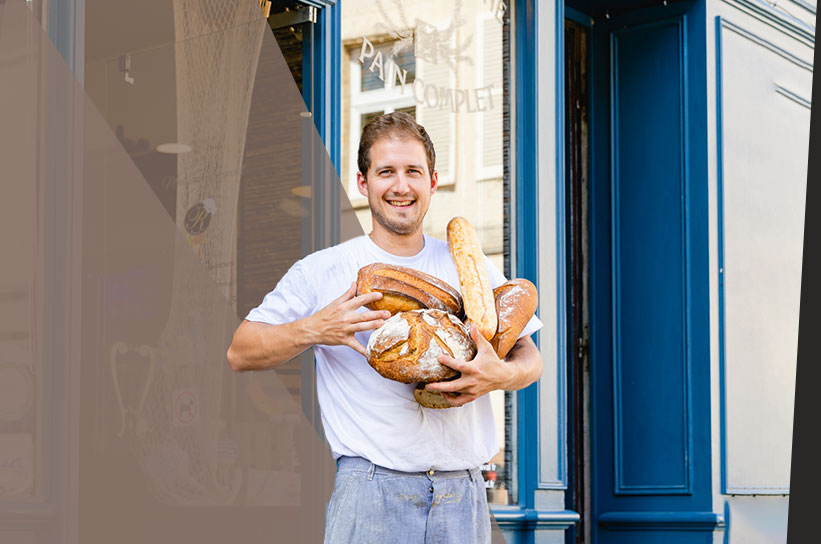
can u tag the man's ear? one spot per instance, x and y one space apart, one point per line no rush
362 184
434 182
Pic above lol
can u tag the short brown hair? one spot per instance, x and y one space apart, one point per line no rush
397 124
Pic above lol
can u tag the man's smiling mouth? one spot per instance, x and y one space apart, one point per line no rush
401 203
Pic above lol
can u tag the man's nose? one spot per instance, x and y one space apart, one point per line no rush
401 185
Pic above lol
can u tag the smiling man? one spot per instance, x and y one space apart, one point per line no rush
405 473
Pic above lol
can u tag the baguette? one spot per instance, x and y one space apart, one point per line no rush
516 302
404 289
474 279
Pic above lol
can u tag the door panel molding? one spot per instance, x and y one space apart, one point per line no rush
652 447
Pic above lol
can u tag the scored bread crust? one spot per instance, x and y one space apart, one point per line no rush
474 278
406 347
404 289
516 301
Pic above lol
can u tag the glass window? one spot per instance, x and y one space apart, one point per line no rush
442 62
389 64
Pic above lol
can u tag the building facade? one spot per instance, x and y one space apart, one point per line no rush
643 165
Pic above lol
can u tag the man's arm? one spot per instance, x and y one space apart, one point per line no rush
486 372
260 346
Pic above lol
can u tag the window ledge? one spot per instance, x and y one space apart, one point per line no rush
528 518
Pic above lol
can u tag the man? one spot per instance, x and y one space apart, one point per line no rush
405 473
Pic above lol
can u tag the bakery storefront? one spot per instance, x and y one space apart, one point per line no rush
604 150
451 66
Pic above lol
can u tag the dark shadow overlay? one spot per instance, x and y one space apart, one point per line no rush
805 476
127 269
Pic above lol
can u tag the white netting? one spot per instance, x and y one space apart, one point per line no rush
182 446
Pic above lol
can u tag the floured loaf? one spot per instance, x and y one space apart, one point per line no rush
516 302
406 347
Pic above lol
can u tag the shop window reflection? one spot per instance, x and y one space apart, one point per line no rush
441 62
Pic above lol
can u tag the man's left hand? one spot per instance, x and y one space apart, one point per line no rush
485 373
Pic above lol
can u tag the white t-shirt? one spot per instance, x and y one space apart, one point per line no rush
364 414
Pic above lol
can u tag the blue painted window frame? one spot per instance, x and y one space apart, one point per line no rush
524 516
525 72
326 95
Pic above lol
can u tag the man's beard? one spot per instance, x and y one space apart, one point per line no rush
403 228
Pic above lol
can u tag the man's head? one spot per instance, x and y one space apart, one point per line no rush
396 125
396 172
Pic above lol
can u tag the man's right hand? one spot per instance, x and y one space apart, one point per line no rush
336 323
259 346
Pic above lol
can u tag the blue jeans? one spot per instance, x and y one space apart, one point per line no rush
379 505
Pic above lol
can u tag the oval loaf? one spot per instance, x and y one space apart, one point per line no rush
404 289
516 302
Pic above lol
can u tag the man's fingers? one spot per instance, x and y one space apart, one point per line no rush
362 300
370 316
455 364
366 325
451 386
480 341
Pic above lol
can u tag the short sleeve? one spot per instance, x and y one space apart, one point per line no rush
292 299
497 279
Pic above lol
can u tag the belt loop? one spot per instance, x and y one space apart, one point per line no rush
470 475
371 471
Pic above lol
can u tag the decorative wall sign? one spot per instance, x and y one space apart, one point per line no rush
198 216
433 45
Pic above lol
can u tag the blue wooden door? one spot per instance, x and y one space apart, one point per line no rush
649 356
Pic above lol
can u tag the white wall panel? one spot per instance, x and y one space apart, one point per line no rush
551 398
765 115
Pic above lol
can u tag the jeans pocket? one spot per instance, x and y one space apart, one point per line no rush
336 510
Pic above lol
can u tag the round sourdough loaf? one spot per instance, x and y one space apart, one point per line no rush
406 347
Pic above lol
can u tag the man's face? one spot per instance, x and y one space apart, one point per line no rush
398 184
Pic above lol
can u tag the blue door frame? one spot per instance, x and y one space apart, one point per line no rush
649 357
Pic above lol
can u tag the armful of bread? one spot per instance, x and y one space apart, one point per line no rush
515 302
